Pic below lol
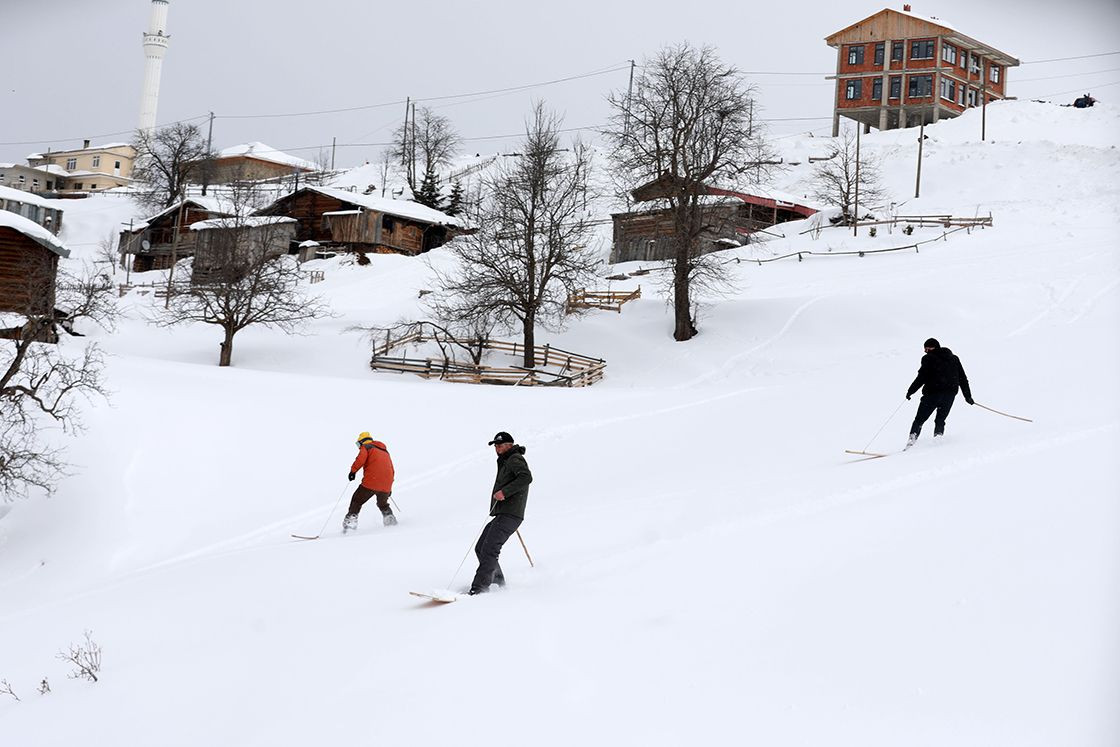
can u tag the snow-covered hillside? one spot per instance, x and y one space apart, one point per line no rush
711 568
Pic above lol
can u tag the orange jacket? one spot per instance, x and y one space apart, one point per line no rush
376 465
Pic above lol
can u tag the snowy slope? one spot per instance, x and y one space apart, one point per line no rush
711 568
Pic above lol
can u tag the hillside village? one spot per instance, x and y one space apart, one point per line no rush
695 351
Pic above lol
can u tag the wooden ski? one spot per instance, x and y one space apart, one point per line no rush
866 454
440 597
305 537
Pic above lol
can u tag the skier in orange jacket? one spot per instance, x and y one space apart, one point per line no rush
377 480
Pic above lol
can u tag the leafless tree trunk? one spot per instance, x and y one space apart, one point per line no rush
167 160
834 180
242 276
531 248
687 123
85 658
431 139
42 382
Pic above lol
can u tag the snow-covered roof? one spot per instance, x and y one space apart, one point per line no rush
9 193
246 222
209 204
263 152
399 208
33 231
106 146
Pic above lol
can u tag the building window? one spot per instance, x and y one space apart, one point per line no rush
972 97
949 53
50 185
71 164
920 86
877 89
921 50
993 73
853 89
855 55
34 185
96 162
964 59
960 94
92 185
973 64
948 89
896 51
78 185
116 164
880 48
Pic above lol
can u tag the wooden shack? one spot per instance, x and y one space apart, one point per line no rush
730 217
151 242
351 221
224 247
28 266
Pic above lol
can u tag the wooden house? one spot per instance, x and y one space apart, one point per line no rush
899 69
223 247
252 162
28 266
152 242
336 218
31 206
730 218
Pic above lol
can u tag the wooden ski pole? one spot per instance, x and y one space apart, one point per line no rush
526 549
1004 414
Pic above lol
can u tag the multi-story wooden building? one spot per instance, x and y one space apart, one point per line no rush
898 69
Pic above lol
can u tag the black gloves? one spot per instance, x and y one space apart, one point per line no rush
969 400
350 477
908 395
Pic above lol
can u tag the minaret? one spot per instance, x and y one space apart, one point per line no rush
155 47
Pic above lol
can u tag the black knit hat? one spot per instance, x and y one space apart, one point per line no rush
932 343
501 438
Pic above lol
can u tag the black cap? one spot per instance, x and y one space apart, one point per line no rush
501 437
932 343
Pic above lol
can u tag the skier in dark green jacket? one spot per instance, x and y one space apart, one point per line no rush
507 506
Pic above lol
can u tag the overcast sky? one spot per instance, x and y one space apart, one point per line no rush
72 68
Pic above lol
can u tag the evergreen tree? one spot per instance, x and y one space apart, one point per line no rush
455 201
429 193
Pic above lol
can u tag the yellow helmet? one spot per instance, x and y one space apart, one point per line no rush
364 436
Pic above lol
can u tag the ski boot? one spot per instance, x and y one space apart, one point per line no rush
350 523
910 441
390 520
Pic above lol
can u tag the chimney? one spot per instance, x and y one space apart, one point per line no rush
906 8
85 144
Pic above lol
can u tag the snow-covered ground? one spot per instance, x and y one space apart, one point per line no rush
711 568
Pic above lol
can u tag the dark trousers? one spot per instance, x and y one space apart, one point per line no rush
489 546
942 403
361 495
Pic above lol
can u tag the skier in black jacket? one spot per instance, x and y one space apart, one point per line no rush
507 506
939 377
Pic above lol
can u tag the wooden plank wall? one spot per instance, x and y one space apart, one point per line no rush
27 274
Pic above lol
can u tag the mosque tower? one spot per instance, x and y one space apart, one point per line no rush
155 47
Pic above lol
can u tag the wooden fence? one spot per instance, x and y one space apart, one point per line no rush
570 369
605 300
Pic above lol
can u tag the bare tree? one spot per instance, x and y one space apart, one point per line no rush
834 180
86 658
6 689
425 144
167 159
44 382
531 249
689 124
242 276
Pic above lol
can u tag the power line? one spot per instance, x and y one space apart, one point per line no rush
1079 90
1069 75
104 134
1064 59
398 102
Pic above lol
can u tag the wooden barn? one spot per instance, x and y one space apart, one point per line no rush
223 246
28 266
731 217
336 218
152 242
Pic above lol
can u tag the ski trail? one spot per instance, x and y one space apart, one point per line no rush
1086 307
1054 304
737 358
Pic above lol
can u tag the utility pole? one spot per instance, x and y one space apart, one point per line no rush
983 103
209 155
629 94
175 251
404 130
128 263
855 216
921 140
334 144
412 159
